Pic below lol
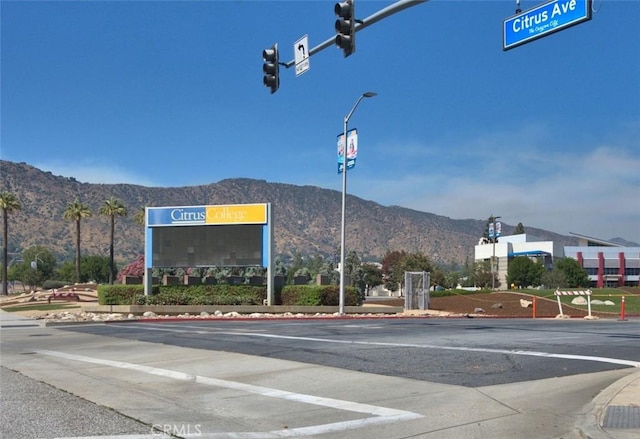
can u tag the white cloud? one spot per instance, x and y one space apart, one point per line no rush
595 191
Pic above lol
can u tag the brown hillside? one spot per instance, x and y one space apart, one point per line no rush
306 218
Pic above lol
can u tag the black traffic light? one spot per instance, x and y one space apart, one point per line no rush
345 26
271 68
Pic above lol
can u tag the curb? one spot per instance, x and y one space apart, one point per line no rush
591 423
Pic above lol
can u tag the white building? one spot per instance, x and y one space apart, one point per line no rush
606 263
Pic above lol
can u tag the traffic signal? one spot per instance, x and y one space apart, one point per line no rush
271 68
345 26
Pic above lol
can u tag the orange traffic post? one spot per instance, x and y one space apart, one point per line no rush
534 307
622 309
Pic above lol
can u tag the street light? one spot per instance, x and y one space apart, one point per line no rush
494 232
368 94
34 263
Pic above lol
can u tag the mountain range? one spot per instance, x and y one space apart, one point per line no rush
306 219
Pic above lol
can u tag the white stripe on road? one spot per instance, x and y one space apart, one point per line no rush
404 345
377 415
122 436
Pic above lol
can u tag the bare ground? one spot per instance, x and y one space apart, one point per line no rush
502 304
499 305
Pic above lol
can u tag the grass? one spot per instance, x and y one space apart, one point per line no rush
47 307
631 305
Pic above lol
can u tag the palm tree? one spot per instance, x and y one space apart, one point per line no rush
140 216
112 208
8 204
76 211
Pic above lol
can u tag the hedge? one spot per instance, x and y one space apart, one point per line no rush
319 295
223 294
119 294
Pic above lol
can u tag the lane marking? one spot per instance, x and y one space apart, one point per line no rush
122 436
405 345
376 414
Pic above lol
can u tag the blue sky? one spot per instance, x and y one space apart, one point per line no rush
170 94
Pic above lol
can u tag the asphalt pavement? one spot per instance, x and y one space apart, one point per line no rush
64 384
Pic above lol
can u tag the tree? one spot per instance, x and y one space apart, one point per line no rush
352 267
302 272
39 265
92 268
395 263
482 276
112 208
76 212
66 272
297 264
140 216
537 271
524 272
519 230
390 267
95 268
8 204
371 275
576 275
15 272
280 268
136 268
554 279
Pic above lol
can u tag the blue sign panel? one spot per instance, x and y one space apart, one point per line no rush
176 216
351 163
544 20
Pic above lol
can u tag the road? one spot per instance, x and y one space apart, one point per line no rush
356 378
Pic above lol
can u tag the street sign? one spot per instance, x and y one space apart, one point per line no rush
543 20
301 55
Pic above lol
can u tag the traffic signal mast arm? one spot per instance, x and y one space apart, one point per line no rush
398 6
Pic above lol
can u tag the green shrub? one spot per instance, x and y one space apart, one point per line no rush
224 294
302 295
119 294
318 295
221 294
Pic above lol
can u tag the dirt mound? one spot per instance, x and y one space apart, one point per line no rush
495 304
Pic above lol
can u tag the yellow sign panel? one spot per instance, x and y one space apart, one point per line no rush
237 214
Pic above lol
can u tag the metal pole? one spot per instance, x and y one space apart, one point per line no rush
270 262
398 6
343 232
494 262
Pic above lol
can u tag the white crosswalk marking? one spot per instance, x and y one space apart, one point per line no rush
375 414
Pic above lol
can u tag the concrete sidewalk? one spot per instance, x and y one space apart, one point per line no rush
614 413
12 320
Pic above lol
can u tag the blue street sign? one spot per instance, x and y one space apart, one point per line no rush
351 163
543 20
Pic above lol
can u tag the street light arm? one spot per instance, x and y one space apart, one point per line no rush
348 116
